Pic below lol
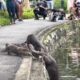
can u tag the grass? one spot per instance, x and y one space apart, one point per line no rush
4 18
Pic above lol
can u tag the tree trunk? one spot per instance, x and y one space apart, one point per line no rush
27 3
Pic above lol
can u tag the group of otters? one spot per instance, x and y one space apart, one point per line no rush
36 49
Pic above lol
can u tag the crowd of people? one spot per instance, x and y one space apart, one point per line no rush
43 8
74 10
40 9
14 9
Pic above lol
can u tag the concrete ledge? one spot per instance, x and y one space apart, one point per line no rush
52 27
43 32
38 71
24 71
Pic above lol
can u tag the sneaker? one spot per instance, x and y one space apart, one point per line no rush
44 17
13 23
20 20
36 18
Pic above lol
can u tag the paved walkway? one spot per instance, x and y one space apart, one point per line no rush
17 33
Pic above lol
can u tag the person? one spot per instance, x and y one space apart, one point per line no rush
19 9
78 7
40 9
76 10
71 17
78 3
61 15
16 11
70 4
11 10
2 5
54 14
50 4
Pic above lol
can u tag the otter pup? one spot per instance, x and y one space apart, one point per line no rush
17 49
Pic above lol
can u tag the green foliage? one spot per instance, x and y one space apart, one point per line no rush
3 13
4 20
28 13
57 4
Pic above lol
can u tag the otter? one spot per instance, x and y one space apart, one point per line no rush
50 63
17 49
31 39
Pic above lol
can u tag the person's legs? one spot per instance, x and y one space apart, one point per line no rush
61 17
3 5
0 5
10 14
13 13
16 12
20 11
54 18
43 14
50 4
36 12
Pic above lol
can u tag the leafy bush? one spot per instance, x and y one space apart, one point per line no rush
4 20
58 4
28 13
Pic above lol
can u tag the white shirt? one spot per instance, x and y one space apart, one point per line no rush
70 4
19 0
77 1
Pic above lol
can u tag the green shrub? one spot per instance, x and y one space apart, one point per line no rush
28 13
4 18
57 4
3 13
4 21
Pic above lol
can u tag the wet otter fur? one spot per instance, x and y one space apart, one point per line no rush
17 49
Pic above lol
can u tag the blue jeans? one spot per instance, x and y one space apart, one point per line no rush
11 11
0 5
42 13
50 4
